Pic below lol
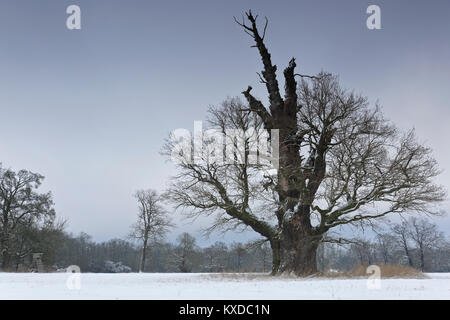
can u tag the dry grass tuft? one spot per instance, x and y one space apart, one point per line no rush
236 276
386 271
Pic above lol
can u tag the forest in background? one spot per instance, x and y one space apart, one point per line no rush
29 225
61 249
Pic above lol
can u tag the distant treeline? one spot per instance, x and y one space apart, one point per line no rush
396 247
28 225
118 255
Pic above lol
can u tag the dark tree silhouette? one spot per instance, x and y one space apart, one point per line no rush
22 209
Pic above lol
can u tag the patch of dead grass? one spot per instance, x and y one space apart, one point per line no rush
236 276
386 271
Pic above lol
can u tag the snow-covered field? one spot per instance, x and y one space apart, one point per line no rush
213 286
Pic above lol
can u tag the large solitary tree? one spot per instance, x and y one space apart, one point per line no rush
340 162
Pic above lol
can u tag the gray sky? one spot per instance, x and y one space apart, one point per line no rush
90 108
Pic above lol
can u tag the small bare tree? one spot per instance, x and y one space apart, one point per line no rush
185 252
152 223
402 232
425 235
386 245
264 254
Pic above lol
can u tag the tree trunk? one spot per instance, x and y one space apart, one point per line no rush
408 255
276 255
422 259
5 254
299 257
299 245
143 256
5 259
385 257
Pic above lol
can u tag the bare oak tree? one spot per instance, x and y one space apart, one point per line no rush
340 163
152 222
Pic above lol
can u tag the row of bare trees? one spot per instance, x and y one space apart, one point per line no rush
185 255
182 256
28 221
415 242
30 227
153 223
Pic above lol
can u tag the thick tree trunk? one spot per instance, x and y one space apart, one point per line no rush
299 256
295 248
298 248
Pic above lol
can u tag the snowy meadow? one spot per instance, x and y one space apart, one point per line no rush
200 286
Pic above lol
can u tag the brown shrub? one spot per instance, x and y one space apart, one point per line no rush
386 271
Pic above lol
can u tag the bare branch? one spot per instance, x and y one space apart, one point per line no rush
269 72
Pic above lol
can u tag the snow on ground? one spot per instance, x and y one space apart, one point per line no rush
174 286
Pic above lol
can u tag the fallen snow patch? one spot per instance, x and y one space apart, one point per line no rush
175 286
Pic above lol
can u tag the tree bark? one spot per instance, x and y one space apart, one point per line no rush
405 246
296 252
422 259
276 255
299 248
5 260
143 256
5 254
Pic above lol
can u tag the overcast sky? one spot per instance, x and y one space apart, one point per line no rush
90 108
